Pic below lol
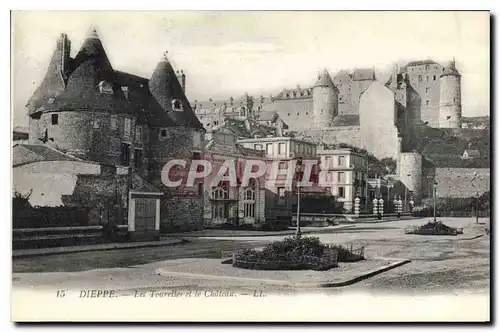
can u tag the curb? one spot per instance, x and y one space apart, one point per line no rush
77 250
471 238
347 282
283 233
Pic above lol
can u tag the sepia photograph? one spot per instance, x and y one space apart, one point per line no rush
250 166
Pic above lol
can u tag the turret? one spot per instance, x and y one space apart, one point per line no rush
450 101
325 101
168 92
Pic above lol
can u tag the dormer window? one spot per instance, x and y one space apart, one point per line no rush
105 88
177 105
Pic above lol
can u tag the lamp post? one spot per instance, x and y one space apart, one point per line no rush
477 207
298 232
434 186
472 181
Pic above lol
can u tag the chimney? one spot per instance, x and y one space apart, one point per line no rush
394 78
63 51
182 79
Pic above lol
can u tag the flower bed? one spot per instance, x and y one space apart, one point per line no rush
294 254
434 228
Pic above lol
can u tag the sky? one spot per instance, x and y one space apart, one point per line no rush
228 53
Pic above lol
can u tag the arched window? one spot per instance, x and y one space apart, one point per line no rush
177 105
220 209
249 200
221 191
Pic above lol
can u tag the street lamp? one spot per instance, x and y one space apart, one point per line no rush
435 189
472 181
298 232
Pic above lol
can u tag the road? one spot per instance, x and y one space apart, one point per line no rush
439 264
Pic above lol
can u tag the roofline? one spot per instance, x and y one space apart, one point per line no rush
337 152
275 139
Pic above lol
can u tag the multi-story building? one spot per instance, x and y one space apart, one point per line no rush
345 173
283 153
232 203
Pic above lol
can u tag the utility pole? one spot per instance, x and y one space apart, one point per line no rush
435 189
298 232
477 207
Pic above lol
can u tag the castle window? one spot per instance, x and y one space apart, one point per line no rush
341 192
298 113
54 119
288 114
137 158
448 117
426 67
427 102
163 133
321 112
427 90
420 78
138 133
307 113
453 99
105 88
125 156
177 105
113 122
287 95
434 77
126 129
96 124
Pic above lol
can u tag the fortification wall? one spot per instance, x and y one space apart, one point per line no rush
333 135
456 182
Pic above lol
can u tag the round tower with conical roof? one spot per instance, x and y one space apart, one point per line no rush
325 101
450 100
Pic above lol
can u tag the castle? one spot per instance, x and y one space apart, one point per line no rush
388 119
89 111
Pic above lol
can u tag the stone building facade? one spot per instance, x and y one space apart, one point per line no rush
87 109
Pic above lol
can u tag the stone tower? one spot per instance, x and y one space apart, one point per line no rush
450 104
325 101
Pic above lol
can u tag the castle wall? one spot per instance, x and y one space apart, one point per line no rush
450 108
296 113
424 79
333 135
377 119
178 143
181 214
456 182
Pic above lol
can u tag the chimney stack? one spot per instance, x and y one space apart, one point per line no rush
182 79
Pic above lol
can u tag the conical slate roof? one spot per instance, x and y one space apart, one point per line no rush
168 93
450 69
52 85
92 49
324 80
83 89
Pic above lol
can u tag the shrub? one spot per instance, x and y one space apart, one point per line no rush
292 253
